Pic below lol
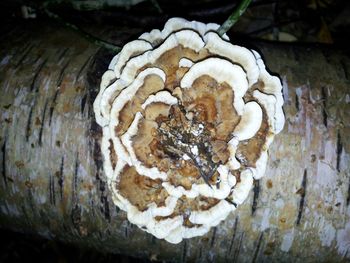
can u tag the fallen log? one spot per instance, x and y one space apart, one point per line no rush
52 182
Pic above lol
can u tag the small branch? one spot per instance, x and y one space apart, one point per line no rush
233 18
86 35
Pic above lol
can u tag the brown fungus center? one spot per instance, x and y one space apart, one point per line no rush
141 190
186 138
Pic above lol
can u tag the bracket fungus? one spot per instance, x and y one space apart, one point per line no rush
187 121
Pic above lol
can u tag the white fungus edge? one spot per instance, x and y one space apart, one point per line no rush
212 216
186 38
105 144
185 63
241 191
222 71
236 54
161 96
146 219
126 139
155 36
131 49
272 86
227 181
106 80
250 121
118 104
181 232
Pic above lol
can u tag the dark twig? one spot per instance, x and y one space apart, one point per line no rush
233 18
91 38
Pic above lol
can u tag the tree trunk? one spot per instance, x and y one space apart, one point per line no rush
52 182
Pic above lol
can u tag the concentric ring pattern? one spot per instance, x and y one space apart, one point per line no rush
187 121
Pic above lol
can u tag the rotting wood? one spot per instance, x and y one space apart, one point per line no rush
58 189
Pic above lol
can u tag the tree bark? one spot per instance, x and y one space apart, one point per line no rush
52 181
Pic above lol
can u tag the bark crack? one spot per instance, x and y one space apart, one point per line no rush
63 53
29 122
53 104
348 198
256 252
3 172
61 75
302 192
339 150
24 56
297 103
52 190
82 68
42 124
233 236
60 178
256 191
213 238
36 75
324 105
83 103
238 250
184 251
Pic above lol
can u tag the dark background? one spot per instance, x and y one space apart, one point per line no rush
302 21
308 22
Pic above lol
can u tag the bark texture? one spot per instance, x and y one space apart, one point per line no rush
52 181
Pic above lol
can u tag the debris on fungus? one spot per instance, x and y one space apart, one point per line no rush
187 121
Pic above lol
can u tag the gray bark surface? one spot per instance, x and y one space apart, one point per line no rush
52 181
